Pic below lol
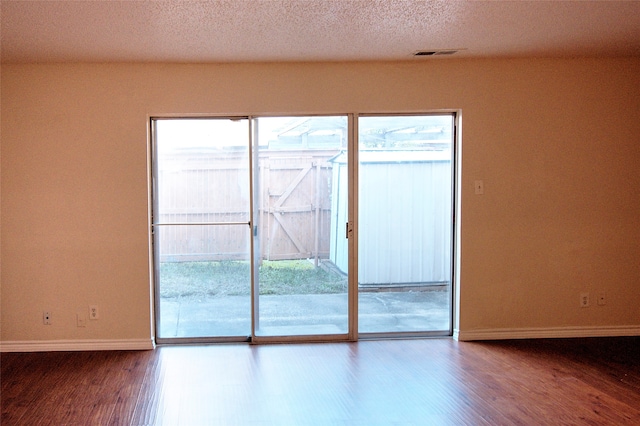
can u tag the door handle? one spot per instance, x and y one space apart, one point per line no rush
348 229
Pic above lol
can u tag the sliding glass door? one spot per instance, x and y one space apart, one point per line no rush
301 290
201 228
256 236
244 226
405 228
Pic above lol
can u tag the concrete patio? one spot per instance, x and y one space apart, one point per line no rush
379 312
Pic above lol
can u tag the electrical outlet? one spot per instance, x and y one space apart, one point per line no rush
584 300
602 300
94 314
46 317
81 319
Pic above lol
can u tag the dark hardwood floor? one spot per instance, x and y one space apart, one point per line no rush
392 382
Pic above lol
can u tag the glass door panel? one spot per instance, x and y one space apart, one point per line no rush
405 224
300 214
201 228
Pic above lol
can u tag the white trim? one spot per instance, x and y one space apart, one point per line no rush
77 345
456 334
546 333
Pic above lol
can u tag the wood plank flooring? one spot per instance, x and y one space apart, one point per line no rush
387 382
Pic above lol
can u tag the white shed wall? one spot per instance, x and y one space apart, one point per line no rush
404 225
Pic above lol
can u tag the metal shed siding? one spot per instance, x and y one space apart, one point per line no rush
338 251
404 219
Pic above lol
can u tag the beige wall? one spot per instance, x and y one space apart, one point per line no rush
555 141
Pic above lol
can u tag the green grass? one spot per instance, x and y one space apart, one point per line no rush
231 278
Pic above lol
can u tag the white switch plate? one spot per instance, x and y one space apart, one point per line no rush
479 187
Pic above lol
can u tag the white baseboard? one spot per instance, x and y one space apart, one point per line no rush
546 333
77 345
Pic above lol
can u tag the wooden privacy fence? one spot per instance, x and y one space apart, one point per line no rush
292 211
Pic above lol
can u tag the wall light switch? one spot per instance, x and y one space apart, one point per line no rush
479 187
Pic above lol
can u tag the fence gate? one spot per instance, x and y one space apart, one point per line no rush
295 204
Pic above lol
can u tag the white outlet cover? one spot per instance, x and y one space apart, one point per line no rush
94 313
584 300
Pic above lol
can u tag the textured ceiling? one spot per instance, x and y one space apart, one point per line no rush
311 30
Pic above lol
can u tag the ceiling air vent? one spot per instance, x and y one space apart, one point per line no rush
435 52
